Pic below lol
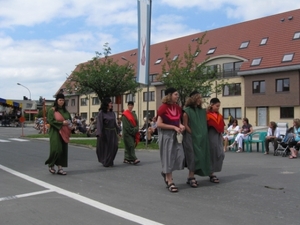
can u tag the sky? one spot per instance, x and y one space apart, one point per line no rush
41 42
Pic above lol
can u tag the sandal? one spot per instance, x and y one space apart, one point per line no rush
192 182
164 176
52 170
61 172
127 161
214 179
172 188
292 157
136 161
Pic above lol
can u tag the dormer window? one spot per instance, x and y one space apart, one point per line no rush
158 61
175 57
211 51
245 44
296 35
256 62
288 57
196 54
263 41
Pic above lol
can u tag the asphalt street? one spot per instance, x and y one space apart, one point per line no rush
254 189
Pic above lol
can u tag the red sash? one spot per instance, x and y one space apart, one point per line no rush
215 120
64 131
131 119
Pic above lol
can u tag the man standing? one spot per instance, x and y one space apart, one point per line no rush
130 133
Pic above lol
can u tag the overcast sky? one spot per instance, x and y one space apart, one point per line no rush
42 41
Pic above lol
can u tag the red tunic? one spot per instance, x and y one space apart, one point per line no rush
215 120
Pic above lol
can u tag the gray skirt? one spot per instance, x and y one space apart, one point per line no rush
171 152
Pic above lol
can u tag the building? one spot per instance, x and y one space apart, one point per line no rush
259 58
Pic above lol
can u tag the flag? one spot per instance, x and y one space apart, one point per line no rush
144 28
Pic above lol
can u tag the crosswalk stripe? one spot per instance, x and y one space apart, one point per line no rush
17 139
4 140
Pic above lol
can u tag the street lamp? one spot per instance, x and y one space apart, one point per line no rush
29 95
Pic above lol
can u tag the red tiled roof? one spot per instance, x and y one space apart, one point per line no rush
227 41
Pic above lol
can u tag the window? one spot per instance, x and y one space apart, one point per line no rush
113 99
162 94
130 97
66 102
232 89
244 44
231 69
211 70
158 61
148 96
83 101
296 35
175 57
95 101
263 41
235 113
152 78
282 85
150 114
83 115
288 57
72 102
196 54
259 87
256 62
211 51
286 112
94 114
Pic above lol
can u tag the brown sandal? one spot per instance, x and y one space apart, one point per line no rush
61 172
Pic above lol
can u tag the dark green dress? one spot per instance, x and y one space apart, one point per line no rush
58 148
128 134
196 144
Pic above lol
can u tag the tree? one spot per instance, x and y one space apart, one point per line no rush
187 75
103 76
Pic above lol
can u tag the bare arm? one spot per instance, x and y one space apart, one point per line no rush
186 122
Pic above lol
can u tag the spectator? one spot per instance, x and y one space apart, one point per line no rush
272 136
230 133
152 130
295 144
91 130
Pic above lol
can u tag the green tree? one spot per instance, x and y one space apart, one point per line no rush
187 75
103 76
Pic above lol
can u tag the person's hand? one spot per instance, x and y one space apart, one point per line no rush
182 128
177 129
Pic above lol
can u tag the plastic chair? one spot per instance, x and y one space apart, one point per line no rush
258 137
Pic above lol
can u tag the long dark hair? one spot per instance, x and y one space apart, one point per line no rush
104 105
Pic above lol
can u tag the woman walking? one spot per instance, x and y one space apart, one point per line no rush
169 125
60 120
216 125
107 134
195 142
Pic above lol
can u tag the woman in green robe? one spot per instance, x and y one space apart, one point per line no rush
195 142
59 119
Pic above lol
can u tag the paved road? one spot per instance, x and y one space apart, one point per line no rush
254 189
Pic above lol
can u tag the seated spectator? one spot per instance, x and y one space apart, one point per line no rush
243 134
295 144
152 130
144 129
91 131
232 130
272 136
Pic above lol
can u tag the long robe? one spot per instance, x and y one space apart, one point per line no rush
171 152
129 134
196 144
58 148
107 138
216 125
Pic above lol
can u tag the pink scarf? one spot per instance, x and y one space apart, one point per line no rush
64 131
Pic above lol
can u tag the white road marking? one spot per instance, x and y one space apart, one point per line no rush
85 200
18 139
25 195
1 140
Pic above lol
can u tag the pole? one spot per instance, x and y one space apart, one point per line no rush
29 97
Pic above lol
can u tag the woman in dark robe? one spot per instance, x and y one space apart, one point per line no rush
59 119
169 126
215 123
195 142
107 134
